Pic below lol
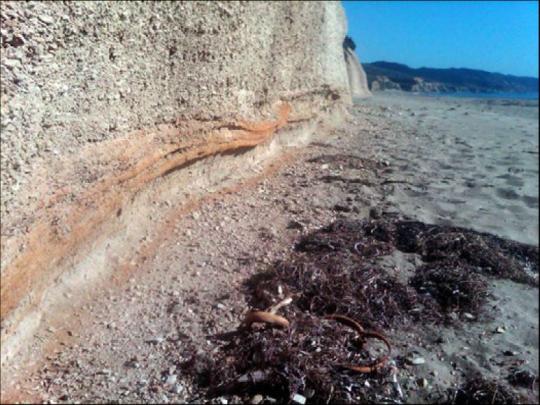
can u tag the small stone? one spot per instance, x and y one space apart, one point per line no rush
417 361
171 379
374 213
295 225
177 389
223 401
422 382
468 316
453 316
309 393
220 306
299 399
157 340
509 353
11 63
500 329
45 19
325 166
257 399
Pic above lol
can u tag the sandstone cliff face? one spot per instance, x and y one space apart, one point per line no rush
103 100
358 82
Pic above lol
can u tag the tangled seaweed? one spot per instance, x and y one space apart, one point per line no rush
454 289
492 255
522 378
480 391
334 271
305 359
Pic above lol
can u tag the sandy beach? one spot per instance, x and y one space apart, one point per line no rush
441 161
469 162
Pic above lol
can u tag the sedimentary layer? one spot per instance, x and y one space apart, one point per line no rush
102 100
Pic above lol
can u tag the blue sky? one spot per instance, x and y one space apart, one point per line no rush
489 35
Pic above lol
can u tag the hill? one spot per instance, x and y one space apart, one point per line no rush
388 75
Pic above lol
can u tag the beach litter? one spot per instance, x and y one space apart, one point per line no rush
338 298
479 391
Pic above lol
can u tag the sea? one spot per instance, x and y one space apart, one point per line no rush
494 95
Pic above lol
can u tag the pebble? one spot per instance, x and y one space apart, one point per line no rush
11 63
468 315
295 225
374 213
178 388
257 399
45 19
509 353
299 399
500 329
171 380
417 361
422 382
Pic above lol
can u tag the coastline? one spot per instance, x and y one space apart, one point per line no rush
395 156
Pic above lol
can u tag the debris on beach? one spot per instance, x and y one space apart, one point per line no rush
302 356
480 391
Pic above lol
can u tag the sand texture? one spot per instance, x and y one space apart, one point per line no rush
146 333
472 163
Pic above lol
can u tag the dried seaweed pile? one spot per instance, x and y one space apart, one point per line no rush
328 278
479 391
460 247
306 360
335 271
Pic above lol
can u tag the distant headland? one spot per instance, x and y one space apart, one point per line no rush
395 76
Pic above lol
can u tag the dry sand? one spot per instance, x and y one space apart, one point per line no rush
464 162
468 162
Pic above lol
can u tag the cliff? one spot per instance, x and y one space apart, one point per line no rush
395 76
104 106
358 82
357 77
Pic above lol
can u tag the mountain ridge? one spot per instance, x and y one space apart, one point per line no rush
383 75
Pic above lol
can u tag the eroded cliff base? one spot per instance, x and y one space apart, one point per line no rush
185 291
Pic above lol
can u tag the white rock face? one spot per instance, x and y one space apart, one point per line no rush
358 83
81 73
102 101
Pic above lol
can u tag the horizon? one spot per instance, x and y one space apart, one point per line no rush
451 67
493 36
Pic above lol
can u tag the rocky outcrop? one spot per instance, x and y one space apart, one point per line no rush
103 103
358 82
